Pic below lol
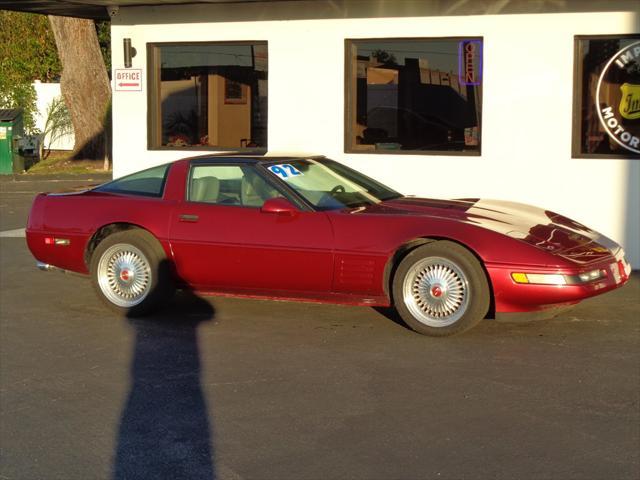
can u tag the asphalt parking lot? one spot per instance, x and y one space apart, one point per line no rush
245 389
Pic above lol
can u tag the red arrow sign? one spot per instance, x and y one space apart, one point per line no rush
128 84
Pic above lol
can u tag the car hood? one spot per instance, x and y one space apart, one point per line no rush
541 228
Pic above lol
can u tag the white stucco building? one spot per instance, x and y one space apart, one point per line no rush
491 99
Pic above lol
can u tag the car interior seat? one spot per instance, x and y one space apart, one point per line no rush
205 189
254 190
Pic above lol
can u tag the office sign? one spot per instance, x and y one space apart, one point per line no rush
128 79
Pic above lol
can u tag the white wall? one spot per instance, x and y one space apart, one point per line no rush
527 105
46 93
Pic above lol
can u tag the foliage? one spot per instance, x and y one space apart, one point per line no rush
19 95
181 127
27 46
57 125
384 57
27 53
103 29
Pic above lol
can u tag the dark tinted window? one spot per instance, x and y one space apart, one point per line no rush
607 97
208 95
149 183
421 95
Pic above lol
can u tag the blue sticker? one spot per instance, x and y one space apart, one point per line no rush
284 171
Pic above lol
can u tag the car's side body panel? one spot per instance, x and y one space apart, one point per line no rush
78 217
242 250
366 243
230 248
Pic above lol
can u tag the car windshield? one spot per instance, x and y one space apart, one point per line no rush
329 185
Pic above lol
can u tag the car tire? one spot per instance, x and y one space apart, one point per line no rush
131 274
440 289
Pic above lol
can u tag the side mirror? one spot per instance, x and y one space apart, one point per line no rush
280 206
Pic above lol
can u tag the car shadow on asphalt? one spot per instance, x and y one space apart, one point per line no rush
165 430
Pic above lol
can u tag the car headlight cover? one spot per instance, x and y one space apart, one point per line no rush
592 275
558 279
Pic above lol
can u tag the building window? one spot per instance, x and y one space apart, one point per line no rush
421 96
606 119
208 95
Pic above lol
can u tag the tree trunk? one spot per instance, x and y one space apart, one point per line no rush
84 84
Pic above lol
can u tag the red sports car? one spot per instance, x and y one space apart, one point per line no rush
310 228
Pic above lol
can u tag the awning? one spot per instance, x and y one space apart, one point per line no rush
96 9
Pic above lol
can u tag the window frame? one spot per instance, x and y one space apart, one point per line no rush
154 123
576 107
348 73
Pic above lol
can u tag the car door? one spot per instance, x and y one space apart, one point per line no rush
223 241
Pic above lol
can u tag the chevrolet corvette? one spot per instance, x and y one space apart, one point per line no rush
312 229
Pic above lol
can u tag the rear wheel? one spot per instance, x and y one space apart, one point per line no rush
440 289
130 272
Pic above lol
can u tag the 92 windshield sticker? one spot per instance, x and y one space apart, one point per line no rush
284 171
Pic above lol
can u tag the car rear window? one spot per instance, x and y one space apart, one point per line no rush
148 183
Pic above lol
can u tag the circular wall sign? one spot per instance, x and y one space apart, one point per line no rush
618 97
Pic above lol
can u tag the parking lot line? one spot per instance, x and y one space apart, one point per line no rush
15 233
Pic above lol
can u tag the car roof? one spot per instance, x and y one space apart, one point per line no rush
247 158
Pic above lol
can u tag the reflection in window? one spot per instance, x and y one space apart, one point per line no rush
607 97
415 95
210 95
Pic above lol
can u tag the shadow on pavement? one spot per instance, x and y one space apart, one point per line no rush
165 431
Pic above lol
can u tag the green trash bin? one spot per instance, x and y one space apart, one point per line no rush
11 131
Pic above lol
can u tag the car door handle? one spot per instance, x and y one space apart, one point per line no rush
188 218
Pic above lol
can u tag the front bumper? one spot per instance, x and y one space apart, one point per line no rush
517 297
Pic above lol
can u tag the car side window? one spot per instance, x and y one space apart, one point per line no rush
149 183
228 185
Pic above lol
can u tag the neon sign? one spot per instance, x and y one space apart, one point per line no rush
470 62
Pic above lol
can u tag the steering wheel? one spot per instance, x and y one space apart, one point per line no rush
337 189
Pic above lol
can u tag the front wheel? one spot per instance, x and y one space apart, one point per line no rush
130 272
440 289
